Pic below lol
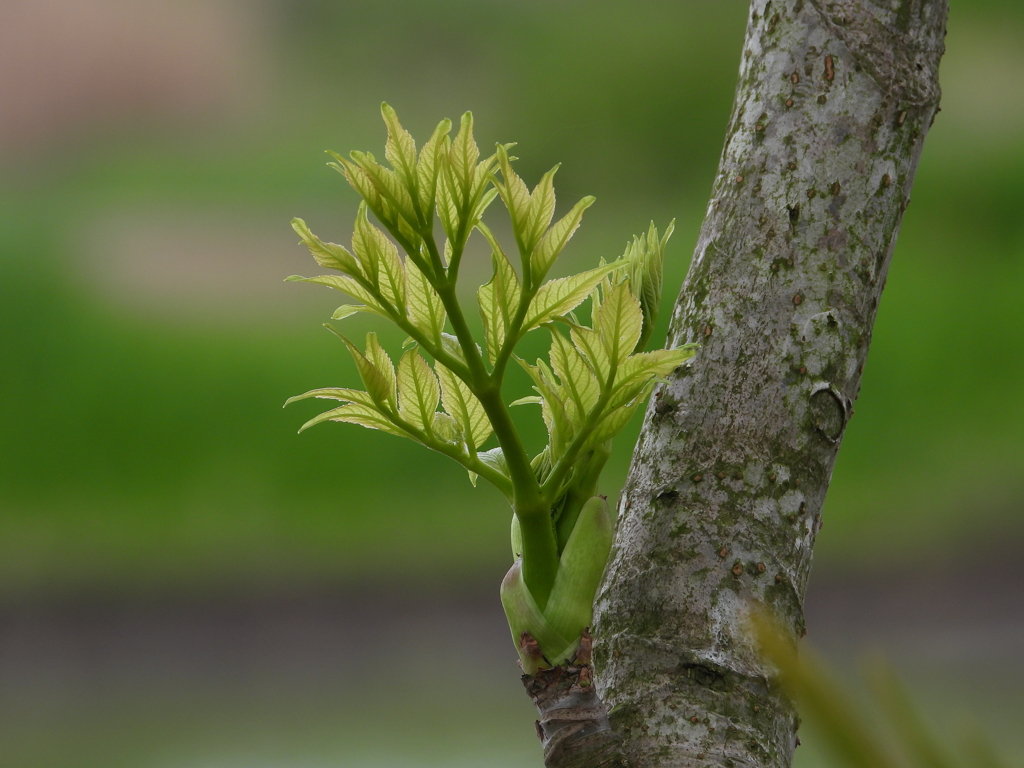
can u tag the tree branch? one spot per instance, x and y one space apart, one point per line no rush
723 500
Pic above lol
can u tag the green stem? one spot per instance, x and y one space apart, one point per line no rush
488 391
471 463
398 318
525 489
513 334
540 546
437 264
457 250
540 553
477 373
524 481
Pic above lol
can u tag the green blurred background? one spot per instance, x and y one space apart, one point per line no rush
184 581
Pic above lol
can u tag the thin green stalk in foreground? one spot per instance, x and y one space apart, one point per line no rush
446 390
895 737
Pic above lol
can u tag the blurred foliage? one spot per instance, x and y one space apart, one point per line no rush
143 445
887 731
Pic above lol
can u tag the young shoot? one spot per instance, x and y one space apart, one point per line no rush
446 390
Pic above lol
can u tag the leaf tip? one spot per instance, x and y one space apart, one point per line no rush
334 330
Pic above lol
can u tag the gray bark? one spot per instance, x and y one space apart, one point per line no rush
723 501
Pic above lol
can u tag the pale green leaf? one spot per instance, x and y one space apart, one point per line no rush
516 196
614 422
542 208
346 285
380 259
588 342
630 392
432 155
485 200
558 297
446 428
485 169
649 292
357 413
517 538
426 310
335 393
541 464
495 459
330 255
498 301
491 239
637 377
642 265
361 182
554 240
482 192
418 390
464 407
554 410
495 323
656 364
400 148
366 246
619 322
447 202
374 380
347 310
451 345
534 372
406 233
528 400
390 186
595 295
382 362
462 160
552 406
576 375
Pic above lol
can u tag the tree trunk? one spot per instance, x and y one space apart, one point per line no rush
723 501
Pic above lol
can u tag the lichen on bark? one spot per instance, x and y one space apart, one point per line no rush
724 497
